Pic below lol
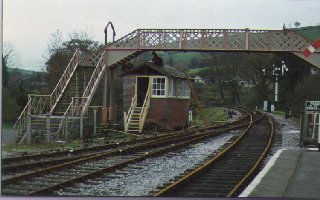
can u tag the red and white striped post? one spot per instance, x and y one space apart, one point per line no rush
312 48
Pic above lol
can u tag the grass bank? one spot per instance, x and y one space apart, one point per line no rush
66 145
7 125
212 114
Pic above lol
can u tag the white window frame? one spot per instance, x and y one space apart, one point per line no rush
158 87
171 88
183 90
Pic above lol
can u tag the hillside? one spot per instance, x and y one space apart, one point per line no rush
22 71
196 71
311 32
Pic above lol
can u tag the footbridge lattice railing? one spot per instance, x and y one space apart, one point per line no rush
213 40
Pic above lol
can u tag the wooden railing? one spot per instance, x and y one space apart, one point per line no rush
213 40
40 104
127 117
37 105
94 81
80 57
144 110
21 124
73 113
65 78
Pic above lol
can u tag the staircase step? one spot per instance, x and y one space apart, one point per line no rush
134 127
38 121
133 130
133 123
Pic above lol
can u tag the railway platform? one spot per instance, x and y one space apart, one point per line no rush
289 173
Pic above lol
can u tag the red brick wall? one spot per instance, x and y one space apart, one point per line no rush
169 113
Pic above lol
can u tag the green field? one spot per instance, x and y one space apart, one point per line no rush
6 125
196 71
311 32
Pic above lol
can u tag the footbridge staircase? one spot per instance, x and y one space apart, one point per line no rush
49 115
69 102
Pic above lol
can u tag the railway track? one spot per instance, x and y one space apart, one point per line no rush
88 165
19 165
227 173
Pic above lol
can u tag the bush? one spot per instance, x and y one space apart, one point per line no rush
10 108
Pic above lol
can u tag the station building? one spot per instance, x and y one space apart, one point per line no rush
158 95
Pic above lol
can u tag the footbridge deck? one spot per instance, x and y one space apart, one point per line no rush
217 40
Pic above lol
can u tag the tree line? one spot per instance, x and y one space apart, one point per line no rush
236 78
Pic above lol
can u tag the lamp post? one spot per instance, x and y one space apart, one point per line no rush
106 32
105 115
277 73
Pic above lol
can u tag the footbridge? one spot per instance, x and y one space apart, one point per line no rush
130 46
244 40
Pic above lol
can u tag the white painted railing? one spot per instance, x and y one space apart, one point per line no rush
144 110
65 78
80 57
42 104
73 113
21 124
37 105
127 117
94 81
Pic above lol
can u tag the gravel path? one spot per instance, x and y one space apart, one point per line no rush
290 133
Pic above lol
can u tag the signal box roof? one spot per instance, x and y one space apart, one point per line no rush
150 69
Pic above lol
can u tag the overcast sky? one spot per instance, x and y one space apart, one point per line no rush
28 24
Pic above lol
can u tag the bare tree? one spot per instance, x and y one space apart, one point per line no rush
59 52
10 55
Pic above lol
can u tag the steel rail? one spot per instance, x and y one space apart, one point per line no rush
6 161
80 159
116 152
182 180
236 189
157 152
